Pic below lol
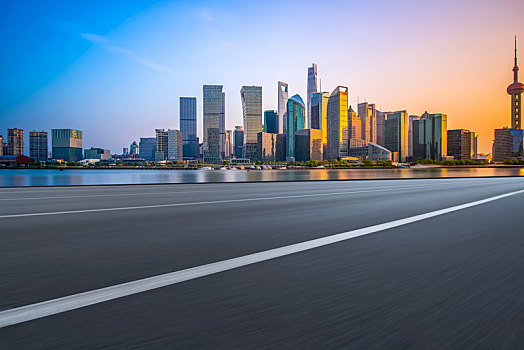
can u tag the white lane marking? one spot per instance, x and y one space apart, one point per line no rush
205 202
76 301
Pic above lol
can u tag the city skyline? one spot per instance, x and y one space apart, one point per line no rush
118 80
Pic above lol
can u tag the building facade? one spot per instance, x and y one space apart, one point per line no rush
354 124
380 121
311 89
319 103
396 134
430 137
175 145
508 144
338 132
238 142
296 119
133 150
188 127
161 145
147 148
213 107
229 144
364 150
308 145
366 113
267 146
15 142
282 106
97 153
252 112
462 144
38 146
67 144
271 122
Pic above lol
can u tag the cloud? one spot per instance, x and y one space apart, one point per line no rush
207 15
108 45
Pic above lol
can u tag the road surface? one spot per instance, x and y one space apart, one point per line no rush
429 263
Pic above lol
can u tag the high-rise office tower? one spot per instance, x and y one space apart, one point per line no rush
238 142
229 145
161 145
338 132
133 150
311 89
380 121
67 144
366 113
266 146
222 128
38 149
1 145
411 118
175 145
308 145
271 122
430 134
252 111
15 142
461 144
508 144
282 106
515 90
354 126
147 148
319 103
296 120
213 108
396 134
188 126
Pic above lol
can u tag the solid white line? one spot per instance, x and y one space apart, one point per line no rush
206 202
76 301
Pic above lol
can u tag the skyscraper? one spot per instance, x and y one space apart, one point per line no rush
430 134
38 149
354 125
508 144
133 150
282 106
380 121
337 132
319 103
161 145
252 112
238 142
213 107
411 118
67 144
229 145
15 142
188 126
271 122
396 134
515 90
175 146
311 89
366 113
147 148
308 145
461 144
222 128
1 145
296 119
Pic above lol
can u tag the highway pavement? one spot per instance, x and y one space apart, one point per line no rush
387 264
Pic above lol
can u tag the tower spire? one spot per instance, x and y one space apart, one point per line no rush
516 67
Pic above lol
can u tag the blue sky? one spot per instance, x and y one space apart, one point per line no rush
116 69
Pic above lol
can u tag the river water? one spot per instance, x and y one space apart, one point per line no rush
54 177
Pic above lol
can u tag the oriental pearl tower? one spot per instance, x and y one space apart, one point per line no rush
515 90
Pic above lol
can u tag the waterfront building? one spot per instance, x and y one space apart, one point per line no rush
308 145
213 108
229 144
1 145
161 145
462 144
338 133
515 90
380 121
222 126
133 150
282 106
430 137
271 122
311 89
188 126
366 113
15 142
354 124
97 153
281 148
125 151
396 134
67 144
364 150
411 118
267 143
319 103
38 146
252 113
296 118
175 145
238 142
147 148
508 144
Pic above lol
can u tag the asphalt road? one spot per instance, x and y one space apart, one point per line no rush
446 281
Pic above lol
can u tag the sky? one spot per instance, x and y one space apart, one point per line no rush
116 69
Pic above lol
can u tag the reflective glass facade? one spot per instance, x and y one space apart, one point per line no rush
311 89
337 123
296 119
282 106
396 133
430 137
38 148
252 112
212 108
271 122
188 126
67 144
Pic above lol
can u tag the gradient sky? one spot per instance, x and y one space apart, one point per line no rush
116 69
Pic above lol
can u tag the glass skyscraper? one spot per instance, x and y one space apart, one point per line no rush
282 106
430 134
213 108
319 103
188 126
38 149
396 134
238 142
337 127
67 144
271 122
252 112
368 123
147 148
311 89
296 119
